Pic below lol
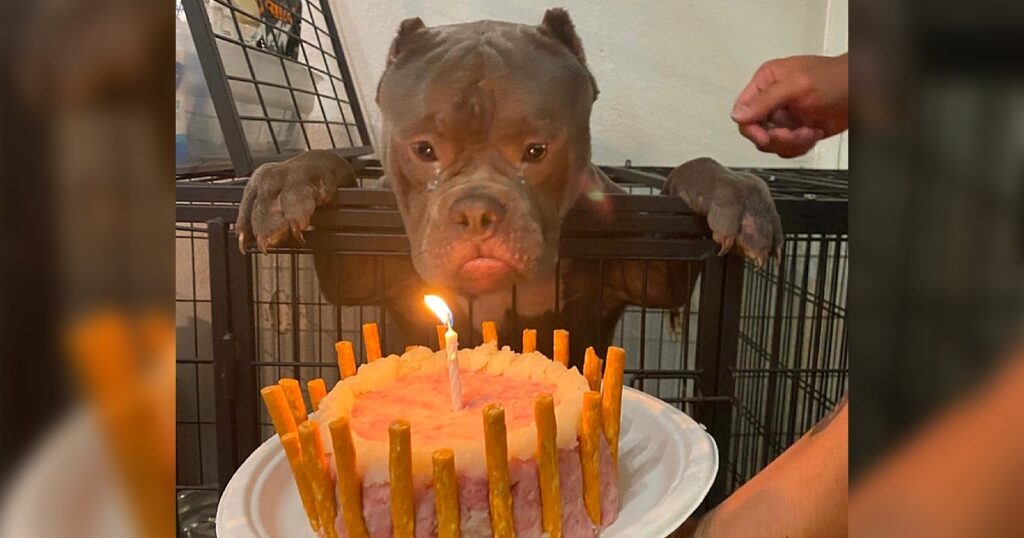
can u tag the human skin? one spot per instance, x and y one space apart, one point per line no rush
792 103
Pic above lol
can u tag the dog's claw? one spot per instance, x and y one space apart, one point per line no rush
241 242
727 243
297 233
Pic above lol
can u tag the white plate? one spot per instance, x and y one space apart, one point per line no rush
667 464
68 487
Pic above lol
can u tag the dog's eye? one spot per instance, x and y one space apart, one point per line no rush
424 151
535 152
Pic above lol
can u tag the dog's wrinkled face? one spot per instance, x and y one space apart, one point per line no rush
487 145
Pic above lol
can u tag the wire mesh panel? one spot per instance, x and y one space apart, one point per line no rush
296 328
196 433
665 340
198 471
792 363
195 407
277 75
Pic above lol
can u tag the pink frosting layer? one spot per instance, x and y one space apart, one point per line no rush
526 505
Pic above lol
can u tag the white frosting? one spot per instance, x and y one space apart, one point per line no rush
470 458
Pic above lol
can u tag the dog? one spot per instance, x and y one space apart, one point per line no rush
486 145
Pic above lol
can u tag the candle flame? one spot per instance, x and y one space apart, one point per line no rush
439 308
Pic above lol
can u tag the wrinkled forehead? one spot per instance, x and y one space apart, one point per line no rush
462 78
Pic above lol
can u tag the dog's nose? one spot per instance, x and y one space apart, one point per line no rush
477 215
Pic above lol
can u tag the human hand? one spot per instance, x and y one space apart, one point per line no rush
792 103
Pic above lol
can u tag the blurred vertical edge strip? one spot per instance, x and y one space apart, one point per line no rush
936 214
87 208
28 259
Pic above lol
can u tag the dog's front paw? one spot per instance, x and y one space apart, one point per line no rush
743 216
738 206
280 198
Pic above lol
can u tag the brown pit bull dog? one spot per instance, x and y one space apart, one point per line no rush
486 145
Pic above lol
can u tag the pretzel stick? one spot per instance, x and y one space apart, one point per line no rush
490 331
284 424
290 442
529 340
547 465
315 463
590 435
446 494
499 492
371 340
317 391
611 400
440 337
592 369
293 394
350 488
561 347
346 358
403 509
277 407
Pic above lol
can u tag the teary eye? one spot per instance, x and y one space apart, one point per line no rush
424 151
535 152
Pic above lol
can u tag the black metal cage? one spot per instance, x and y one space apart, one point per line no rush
756 354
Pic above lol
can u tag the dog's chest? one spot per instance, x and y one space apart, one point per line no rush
525 301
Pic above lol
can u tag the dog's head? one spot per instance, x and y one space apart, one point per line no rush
486 145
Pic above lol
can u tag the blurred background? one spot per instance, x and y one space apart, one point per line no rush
936 215
87 381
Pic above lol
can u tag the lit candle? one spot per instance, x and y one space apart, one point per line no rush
451 344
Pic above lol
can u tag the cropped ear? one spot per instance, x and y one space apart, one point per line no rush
559 25
401 41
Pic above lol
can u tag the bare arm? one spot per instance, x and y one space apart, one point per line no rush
803 492
961 476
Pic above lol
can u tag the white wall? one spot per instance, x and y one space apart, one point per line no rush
668 71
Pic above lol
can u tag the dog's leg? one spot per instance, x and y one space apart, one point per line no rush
280 198
278 202
738 206
740 213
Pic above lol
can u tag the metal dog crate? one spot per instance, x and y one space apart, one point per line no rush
757 354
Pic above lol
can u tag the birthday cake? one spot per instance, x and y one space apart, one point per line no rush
532 452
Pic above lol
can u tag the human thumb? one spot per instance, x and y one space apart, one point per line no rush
758 106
